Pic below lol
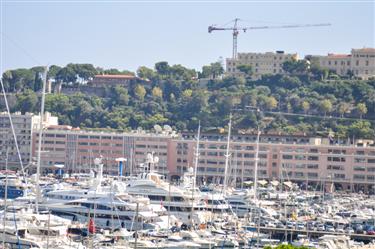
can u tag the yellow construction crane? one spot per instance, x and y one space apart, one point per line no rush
236 29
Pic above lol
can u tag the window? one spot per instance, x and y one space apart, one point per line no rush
359 177
312 166
339 176
299 174
300 166
359 168
288 157
300 157
335 167
359 160
312 175
313 158
371 160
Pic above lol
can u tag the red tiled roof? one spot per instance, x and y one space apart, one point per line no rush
115 76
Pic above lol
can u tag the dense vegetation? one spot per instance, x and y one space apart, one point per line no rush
180 97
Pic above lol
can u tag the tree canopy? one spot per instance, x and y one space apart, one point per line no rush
300 101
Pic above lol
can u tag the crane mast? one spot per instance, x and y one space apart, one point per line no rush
236 29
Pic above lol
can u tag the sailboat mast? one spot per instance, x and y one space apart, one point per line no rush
256 165
195 172
227 155
196 156
40 140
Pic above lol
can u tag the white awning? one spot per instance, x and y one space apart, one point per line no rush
288 184
248 182
275 183
262 182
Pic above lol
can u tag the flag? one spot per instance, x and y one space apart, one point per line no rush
92 228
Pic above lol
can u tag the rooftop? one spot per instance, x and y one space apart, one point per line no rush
372 50
339 55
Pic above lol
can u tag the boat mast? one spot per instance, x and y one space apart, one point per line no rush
256 166
5 196
227 155
196 156
195 172
40 139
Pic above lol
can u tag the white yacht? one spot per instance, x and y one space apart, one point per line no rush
177 201
22 228
112 211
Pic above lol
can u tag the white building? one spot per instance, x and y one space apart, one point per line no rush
261 63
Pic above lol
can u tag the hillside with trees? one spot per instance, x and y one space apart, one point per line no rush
305 100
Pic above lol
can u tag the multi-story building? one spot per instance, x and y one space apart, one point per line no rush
286 158
113 80
360 63
76 149
25 125
261 63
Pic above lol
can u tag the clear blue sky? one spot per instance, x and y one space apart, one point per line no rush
128 35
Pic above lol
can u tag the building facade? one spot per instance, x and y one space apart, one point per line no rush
359 63
76 149
261 63
25 125
285 158
113 80
298 158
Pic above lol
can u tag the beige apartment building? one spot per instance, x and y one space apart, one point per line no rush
285 158
25 125
360 63
261 63
76 149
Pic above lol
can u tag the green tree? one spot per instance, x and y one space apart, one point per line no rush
140 92
162 68
362 109
305 106
296 66
343 108
212 71
146 73
326 106
157 92
361 129
246 69
271 103
27 101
